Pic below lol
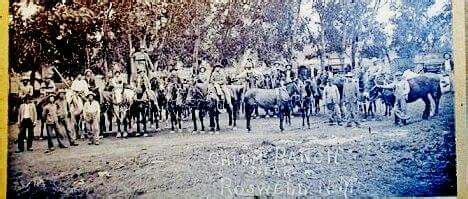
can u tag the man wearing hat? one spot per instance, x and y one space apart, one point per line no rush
402 89
91 80
332 100
117 81
174 76
25 88
50 114
141 61
27 116
64 116
350 98
80 85
91 115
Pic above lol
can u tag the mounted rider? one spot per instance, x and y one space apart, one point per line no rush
141 64
218 80
25 89
80 85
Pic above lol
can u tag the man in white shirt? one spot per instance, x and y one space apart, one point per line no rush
27 117
332 100
80 85
402 89
91 114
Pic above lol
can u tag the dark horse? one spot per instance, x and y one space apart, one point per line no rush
270 98
202 97
421 87
196 101
175 105
306 102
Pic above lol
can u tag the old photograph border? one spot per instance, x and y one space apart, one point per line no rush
3 95
459 36
459 46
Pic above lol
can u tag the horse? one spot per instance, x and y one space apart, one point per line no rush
121 99
269 98
366 84
421 87
306 102
237 93
196 100
174 105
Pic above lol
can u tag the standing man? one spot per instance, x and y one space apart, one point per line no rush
402 89
64 117
50 113
350 98
332 100
448 69
27 117
91 113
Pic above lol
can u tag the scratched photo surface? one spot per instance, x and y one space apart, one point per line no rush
223 98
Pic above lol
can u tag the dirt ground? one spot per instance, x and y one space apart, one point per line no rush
377 159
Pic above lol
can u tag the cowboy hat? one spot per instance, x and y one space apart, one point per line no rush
349 74
88 71
90 93
24 78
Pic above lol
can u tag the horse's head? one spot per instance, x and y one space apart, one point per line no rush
375 92
293 89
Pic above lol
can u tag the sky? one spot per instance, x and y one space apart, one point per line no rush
384 15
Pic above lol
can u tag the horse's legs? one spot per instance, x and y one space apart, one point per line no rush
256 112
217 120
303 111
179 117
211 115
194 119
201 116
248 113
230 113
317 106
281 118
102 124
436 97
427 108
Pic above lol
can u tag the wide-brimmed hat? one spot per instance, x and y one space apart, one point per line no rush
24 78
88 71
398 73
349 74
90 93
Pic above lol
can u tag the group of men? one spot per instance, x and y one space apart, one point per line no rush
57 115
56 112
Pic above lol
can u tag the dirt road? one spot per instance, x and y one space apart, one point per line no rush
376 159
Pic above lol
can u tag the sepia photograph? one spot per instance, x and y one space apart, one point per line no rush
231 99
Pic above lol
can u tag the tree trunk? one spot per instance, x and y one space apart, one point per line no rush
353 52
